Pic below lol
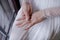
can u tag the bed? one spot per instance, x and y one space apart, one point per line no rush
48 29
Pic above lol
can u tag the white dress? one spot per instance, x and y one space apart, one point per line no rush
48 29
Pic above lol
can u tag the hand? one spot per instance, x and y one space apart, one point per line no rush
26 13
27 10
35 18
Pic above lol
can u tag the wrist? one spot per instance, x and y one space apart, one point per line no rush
47 13
44 14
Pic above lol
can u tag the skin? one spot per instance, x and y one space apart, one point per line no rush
27 10
36 17
26 13
41 15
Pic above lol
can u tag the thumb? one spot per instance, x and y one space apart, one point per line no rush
27 17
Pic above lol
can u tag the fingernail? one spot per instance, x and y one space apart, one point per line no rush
26 29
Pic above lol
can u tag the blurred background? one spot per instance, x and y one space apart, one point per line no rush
8 12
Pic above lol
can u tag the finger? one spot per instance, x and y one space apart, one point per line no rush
29 26
20 19
22 24
26 15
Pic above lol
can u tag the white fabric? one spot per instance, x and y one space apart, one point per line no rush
40 31
43 4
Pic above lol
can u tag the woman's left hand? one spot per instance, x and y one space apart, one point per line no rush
35 18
